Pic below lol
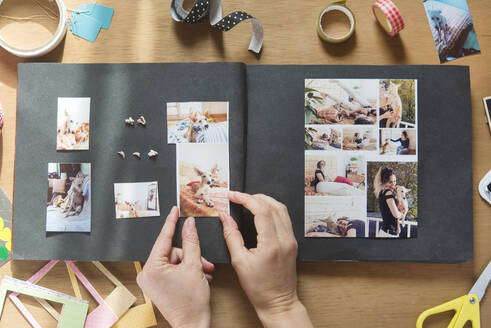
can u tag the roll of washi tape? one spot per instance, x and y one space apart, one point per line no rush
50 45
388 16
213 9
336 6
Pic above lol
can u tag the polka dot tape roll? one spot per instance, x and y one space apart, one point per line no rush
388 16
213 9
336 6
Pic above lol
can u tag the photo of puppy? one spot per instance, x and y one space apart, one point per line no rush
73 127
402 204
202 179
136 199
197 122
68 198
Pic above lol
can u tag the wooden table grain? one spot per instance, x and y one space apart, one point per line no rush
336 294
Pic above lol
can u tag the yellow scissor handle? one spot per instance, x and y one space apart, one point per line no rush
466 309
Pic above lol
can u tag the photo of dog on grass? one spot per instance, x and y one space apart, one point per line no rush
68 198
73 127
136 200
197 122
202 179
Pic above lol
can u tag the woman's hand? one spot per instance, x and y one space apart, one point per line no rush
175 279
267 273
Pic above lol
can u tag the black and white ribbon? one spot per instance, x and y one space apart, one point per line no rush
213 9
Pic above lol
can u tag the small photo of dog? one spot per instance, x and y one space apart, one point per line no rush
68 198
197 122
136 200
73 127
202 179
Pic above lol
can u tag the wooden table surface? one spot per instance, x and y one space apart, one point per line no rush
336 294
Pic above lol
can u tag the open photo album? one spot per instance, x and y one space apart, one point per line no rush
368 145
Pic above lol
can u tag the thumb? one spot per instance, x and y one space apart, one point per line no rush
190 242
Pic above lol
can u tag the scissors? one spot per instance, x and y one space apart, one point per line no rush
466 307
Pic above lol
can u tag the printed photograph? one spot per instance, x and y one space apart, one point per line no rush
136 199
73 127
197 122
68 198
452 28
397 104
397 142
335 217
341 101
331 175
202 179
392 199
359 138
323 137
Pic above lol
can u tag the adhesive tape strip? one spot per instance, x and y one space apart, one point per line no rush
388 16
336 6
213 8
55 40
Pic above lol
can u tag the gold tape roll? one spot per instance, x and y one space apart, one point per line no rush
336 6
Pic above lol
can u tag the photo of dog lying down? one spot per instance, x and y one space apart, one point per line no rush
197 122
341 101
202 179
136 200
68 197
73 127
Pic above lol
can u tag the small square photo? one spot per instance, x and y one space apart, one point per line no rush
197 122
202 179
359 138
136 199
397 142
73 124
323 137
68 198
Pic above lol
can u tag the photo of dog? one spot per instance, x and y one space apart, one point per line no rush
197 122
341 101
401 200
136 199
398 142
73 127
202 179
397 104
68 198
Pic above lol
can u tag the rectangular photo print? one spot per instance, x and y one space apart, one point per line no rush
334 175
68 197
360 138
397 142
73 124
392 199
341 101
136 199
197 122
323 137
452 28
202 179
397 104
335 217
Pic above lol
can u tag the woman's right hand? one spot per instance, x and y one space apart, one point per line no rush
267 273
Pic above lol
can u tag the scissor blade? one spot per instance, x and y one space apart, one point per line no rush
482 283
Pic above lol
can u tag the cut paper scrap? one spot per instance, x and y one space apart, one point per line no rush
87 20
5 228
213 9
101 317
139 316
74 310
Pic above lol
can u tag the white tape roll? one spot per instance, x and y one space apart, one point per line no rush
55 40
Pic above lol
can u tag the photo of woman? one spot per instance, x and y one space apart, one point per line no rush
392 198
397 142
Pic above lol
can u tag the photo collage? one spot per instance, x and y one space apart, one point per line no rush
361 158
200 132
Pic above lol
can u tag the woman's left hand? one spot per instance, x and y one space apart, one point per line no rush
175 279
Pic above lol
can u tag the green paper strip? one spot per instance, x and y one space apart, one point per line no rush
74 310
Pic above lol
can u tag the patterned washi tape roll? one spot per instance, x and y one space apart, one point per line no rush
388 16
336 6
213 9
